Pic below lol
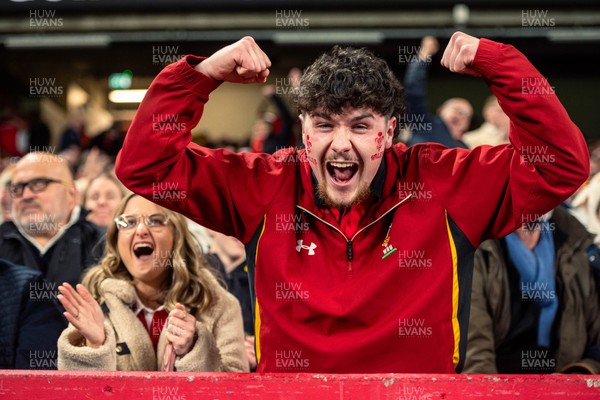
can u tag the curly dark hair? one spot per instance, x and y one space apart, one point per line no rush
346 76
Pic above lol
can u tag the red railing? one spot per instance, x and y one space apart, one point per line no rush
34 385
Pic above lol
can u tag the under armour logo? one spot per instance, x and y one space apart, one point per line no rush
311 248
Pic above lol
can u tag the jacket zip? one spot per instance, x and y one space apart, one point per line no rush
349 249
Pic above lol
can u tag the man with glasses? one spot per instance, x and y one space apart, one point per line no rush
48 232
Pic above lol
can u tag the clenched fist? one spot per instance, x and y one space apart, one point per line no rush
240 62
460 53
181 330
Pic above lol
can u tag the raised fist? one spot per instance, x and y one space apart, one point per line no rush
460 53
240 62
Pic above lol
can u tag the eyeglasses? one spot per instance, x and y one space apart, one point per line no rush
36 185
155 221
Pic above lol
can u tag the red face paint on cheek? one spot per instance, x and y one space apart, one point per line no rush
308 151
379 143
308 144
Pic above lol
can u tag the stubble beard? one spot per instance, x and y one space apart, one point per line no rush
363 193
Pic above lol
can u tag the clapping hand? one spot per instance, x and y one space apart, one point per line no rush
83 312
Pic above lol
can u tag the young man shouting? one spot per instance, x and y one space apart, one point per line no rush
361 250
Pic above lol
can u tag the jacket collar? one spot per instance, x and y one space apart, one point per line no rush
570 234
75 216
569 237
120 288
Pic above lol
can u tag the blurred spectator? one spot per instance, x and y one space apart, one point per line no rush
73 135
534 306
109 141
201 236
156 294
102 197
6 162
93 163
14 137
72 155
49 231
231 264
230 256
454 115
494 130
31 320
5 199
39 133
260 132
585 206
594 149
274 131
22 134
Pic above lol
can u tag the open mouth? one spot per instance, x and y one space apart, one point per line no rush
143 251
341 171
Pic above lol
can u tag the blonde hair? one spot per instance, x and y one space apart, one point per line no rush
111 177
188 279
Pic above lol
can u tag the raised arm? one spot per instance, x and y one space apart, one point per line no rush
415 83
159 161
490 191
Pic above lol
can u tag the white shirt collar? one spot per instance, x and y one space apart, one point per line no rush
148 312
43 249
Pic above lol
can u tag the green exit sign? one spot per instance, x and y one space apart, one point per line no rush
120 80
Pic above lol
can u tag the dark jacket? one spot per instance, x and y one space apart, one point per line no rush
31 319
238 284
577 324
80 247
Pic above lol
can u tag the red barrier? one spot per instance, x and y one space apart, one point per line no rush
15 385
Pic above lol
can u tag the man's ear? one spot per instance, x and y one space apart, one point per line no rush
74 194
389 134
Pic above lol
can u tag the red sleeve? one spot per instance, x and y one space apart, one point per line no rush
490 191
219 189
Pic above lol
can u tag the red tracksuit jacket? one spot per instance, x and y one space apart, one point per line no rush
392 296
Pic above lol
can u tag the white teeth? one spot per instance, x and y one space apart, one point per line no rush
341 165
140 245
